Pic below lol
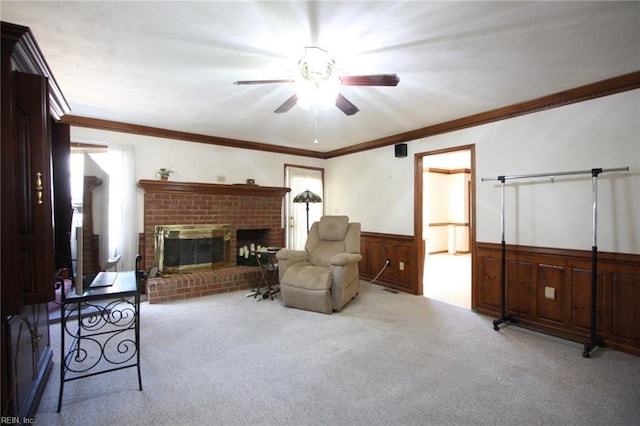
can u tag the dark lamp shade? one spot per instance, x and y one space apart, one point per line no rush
307 197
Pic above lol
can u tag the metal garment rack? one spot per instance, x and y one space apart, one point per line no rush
504 318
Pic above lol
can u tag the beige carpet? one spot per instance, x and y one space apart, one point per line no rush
387 359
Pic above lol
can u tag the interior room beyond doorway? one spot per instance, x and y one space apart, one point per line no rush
446 226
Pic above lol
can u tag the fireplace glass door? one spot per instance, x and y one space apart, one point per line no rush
182 248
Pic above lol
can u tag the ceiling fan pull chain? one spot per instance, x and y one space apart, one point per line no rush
316 126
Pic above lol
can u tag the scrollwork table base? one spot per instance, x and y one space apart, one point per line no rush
103 327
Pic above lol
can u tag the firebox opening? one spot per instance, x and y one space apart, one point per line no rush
250 239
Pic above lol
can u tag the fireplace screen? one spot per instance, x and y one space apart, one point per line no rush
182 248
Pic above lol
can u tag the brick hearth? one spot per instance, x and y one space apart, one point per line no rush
202 283
185 203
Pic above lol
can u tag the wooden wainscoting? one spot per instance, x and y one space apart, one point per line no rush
565 310
376 248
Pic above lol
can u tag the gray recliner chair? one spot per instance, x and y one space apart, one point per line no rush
324 276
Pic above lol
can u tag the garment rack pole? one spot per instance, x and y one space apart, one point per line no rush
553 175
504 318
503 263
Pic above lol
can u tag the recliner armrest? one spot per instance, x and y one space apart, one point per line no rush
292 256
287 257
343 259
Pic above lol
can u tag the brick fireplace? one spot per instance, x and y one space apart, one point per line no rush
246 208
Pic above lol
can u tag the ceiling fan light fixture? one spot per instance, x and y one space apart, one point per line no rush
311 95
316 65
316 85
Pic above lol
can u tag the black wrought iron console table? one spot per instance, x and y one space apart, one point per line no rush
104 326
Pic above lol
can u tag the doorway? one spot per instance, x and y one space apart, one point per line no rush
299 179
446 224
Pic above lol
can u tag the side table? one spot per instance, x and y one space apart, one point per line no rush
266 258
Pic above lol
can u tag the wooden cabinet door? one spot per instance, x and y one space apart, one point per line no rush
28 347
33 188
9 257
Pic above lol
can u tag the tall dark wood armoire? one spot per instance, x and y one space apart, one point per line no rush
33 142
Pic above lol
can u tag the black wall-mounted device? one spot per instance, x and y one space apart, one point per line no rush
401 150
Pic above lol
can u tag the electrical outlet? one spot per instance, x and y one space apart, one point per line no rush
388 262
221 178
401 266
550 293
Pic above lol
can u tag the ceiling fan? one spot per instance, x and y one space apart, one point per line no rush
317 84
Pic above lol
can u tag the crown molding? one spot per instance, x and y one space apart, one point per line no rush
136 129
587 92
599 89
26 56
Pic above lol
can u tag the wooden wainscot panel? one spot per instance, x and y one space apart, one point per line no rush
521 293
552 294
376 248
581 299
375 256
390 273
625 309
405 270
549 290
490 292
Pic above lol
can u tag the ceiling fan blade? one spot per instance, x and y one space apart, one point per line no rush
370 80
345 105
243 82
288 104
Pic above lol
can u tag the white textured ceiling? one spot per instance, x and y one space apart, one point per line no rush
172 65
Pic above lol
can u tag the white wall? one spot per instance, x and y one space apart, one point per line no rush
195 162
377 189
373 188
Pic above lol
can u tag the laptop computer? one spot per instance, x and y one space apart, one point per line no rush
103 279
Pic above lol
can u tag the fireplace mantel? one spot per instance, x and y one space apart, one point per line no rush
212 188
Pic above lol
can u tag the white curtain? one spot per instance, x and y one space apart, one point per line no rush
119 163
124 213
